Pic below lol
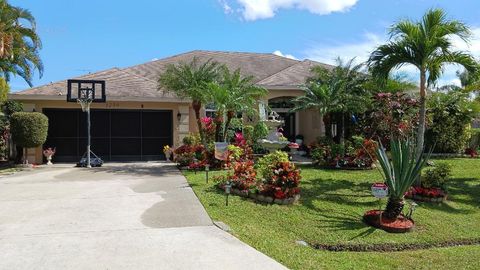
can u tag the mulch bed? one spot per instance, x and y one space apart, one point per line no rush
395 246
264 199
400 225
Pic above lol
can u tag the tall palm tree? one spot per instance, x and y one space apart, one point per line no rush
427 45
190 80
19 43
234 94
338 90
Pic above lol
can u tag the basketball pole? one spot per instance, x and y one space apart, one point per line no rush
89 165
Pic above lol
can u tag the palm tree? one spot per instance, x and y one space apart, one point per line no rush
19 43
190 80
427 45
234 94
338 90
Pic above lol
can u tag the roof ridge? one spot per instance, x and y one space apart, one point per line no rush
299 62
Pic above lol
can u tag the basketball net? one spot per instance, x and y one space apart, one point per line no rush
85 103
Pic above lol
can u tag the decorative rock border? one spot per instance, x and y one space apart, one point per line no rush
401 225
265 199
421 198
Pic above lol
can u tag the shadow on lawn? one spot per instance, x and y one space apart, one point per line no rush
462 191
345 222
337 191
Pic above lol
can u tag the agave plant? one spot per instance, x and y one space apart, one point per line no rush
400 173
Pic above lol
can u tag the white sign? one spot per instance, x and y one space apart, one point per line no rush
379 190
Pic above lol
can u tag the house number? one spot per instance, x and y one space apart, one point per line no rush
112 104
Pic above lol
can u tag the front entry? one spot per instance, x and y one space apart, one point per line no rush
121 135
288 125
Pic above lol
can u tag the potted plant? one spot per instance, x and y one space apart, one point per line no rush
49 153
168 152
399 173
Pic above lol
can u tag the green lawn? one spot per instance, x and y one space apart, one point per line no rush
330 212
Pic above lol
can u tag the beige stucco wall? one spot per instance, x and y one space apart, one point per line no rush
310 123
181 128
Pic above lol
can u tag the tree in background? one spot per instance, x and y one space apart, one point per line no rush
190 80
427 45
335 91
19 43
233 94
451 115
29 130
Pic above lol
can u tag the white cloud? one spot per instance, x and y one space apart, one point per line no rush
279 53
328 52
263 9
227 9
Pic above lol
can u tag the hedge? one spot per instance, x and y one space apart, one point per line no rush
29 129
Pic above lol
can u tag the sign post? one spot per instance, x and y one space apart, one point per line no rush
380 191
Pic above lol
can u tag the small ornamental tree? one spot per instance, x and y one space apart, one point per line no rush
29 129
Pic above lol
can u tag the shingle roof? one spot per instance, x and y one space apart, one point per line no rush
292 76
139 81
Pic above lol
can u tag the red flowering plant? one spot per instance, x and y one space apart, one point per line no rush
242 177
472 152
284 182
393 116
208 128
245 145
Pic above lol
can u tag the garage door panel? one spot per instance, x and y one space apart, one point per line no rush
154 146
99 146
123 147
62 123
100 124
125 124
156 124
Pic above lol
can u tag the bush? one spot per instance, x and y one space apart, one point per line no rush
267 162
319 156
11 106
284 182
451 115
437 176
191 139
29 129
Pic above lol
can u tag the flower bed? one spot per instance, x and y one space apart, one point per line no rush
401 224
426 194
278 183
262 198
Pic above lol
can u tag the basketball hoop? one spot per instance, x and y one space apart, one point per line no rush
84 95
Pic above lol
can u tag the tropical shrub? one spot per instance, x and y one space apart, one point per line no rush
191 139
357 153
437 177
284 181
451 115
266 163
243 176
393 116
29 129
188 154
400 172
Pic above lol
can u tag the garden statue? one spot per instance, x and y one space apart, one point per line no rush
49 153
275 139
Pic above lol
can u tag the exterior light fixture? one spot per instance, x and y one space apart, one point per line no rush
207 168
228 189
179 116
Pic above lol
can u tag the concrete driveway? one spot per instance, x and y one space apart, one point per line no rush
120 216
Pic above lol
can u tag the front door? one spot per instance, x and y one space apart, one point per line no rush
288 125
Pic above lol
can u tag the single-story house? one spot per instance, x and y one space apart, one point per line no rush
137 120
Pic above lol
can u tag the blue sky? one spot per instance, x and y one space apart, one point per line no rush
86 36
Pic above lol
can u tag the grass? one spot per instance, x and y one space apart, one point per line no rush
330 212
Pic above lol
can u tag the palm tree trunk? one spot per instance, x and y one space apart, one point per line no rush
218 126
421 120
197 105
394 208
342 136
327 125
230 115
